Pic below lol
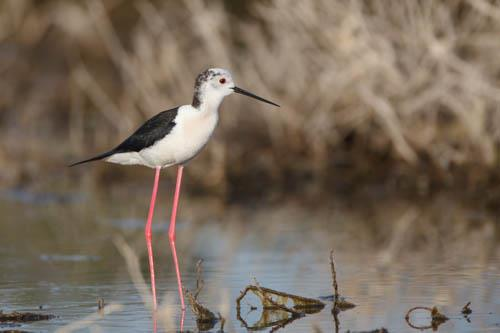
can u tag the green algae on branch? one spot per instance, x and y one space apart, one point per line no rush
276 310
277 300
276 319
202 313
23 317
205 319
437 318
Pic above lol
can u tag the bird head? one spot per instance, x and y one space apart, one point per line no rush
213 84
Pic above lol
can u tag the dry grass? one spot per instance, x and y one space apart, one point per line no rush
409 83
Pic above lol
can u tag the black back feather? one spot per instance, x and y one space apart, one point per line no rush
154 129
151 131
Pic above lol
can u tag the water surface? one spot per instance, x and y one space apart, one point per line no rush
390 256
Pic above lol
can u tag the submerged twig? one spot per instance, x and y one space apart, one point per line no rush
269 318
268 300
336 321
202 313
437 318
276 311
466 310
205 319
100 303
334 279
199 280
23 317
339 303
283 324
266 294
222 322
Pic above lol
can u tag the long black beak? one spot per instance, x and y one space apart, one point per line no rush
249 94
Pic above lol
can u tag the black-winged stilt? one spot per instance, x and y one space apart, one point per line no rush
174 137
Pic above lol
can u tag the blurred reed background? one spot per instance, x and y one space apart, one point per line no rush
403 94
396 97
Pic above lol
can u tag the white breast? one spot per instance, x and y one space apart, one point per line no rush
191 133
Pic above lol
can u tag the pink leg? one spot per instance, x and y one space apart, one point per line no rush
155 322
171 233
147 233
183 314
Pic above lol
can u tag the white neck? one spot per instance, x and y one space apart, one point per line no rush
210 103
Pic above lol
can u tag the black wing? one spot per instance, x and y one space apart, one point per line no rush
145 136
151 131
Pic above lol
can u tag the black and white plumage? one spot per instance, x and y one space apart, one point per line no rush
145 136
175 136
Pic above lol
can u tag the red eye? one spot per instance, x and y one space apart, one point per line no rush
222 81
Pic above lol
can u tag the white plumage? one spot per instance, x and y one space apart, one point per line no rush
193 128
175 136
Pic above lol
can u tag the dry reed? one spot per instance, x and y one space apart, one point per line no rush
407 83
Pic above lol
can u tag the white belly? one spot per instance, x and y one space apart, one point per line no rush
126 158
191 133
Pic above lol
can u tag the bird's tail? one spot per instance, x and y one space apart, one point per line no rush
95 158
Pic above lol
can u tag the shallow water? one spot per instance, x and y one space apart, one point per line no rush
390 256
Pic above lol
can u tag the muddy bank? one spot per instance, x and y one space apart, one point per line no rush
23 317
